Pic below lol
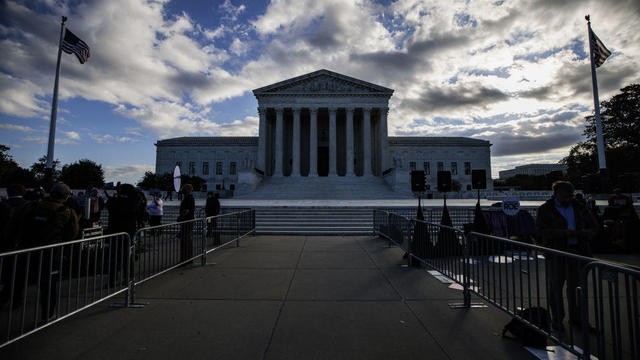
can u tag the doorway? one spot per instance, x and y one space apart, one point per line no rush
323 161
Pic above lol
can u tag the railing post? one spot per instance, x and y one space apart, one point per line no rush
409 243
129 296
466 292
203 234
237 230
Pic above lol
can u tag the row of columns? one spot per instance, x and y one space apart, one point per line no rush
313 141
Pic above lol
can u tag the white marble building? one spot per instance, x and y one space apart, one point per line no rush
322 125
532 169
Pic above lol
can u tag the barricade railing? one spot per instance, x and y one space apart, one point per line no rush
601 313
514 276
610 310
159 249
43 285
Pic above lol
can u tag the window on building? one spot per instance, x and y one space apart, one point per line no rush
440 166
192 168
205 168
219 168
218 187
427 167
468 186
467 168
203 187
428 187
232 168
412 166
232 187
179 164
454 168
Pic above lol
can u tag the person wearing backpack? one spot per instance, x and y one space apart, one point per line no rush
8 210
47 222
123 215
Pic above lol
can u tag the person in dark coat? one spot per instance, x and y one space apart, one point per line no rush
8 214
123 215
187 212
566 225
212 208
8 208
42 223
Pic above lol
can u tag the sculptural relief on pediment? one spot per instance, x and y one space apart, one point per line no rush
323 84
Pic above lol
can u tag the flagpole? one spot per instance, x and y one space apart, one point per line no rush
599 138
54 110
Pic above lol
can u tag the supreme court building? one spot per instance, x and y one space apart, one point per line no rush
322 124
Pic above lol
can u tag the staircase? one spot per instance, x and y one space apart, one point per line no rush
322 187
314 221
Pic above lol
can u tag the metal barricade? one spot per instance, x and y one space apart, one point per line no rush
514 276
159 249
599 314
43 285
610 311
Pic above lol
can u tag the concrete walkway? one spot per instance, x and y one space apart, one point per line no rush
278 297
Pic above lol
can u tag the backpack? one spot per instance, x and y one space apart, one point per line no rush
535 315
42 225
8 216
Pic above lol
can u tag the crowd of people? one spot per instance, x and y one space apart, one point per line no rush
33 218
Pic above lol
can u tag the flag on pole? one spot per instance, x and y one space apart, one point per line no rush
600 52
74 45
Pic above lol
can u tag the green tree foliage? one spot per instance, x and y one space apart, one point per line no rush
162 182
621 130
82 174
38 170
196 181
11 172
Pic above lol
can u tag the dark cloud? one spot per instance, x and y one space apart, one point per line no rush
416 56
506 144
460 95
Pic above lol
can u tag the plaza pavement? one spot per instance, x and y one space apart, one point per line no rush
284 297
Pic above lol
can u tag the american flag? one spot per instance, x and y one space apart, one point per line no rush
74 45
600 52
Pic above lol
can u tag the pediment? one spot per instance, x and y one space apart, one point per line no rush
323 82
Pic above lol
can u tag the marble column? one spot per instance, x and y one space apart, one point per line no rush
349 120
366 141
332 142
262 140
313 142
384 140
295 169
278 143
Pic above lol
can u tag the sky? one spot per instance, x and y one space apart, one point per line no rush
515 72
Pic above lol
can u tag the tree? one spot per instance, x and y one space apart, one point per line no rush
38 170
11 172
620 127
82 174
153 181
195 181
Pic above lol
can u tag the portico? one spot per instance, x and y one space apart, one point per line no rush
323 124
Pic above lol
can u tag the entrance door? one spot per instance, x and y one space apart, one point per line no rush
323 161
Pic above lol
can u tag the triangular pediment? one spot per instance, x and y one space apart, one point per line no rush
323 82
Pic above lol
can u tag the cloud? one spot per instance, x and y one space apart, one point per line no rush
468 95
16 127
108 139
72 135
230 11
505 71
127 173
